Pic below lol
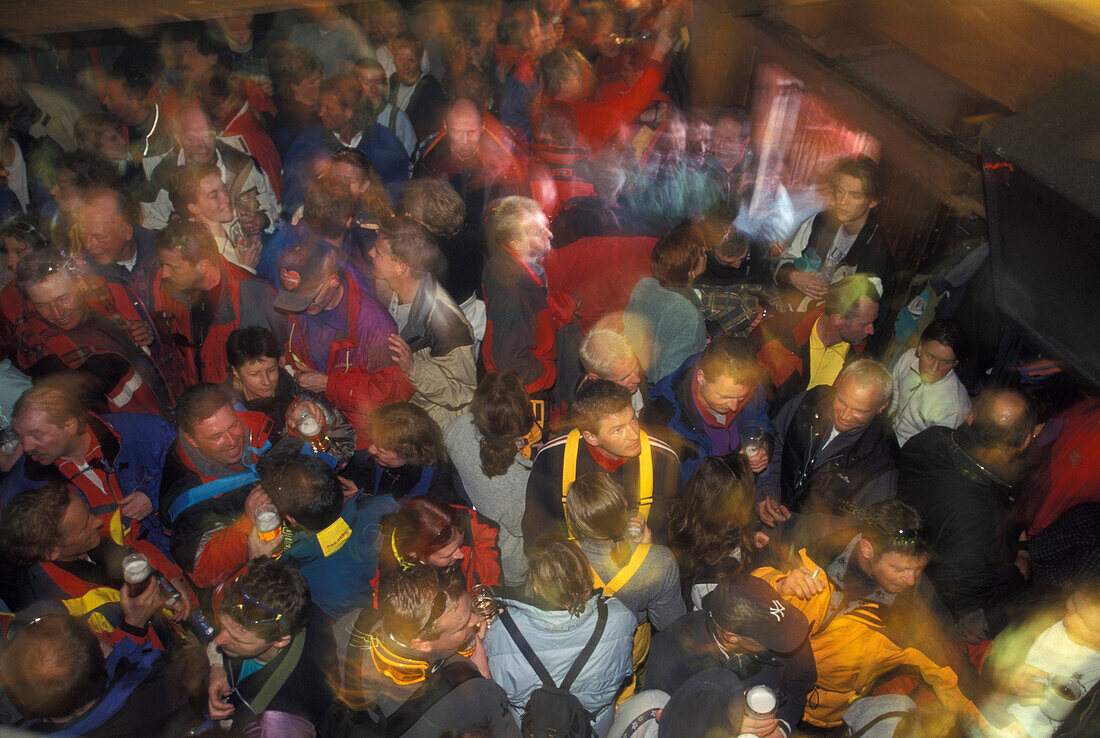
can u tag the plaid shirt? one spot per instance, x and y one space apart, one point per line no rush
731 307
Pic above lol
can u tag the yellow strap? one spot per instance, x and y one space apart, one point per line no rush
619 580
333 538
118 533
91 600
645 472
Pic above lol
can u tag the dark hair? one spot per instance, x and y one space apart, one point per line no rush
306 488
137 67
555 67
279 587
36 266
27 230
409 432
328 206
594 401
559 576
863 169
733 357
87 169
291 64
251 344
596 509
950 333
190 241
676 255
993 429
407 600
53 668
199 402
421 526
345 88
502 413
196 32
712 517
373 199
558 126
891 525
411 244
30 528
436 204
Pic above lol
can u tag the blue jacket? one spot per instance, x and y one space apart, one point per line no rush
340 581
557 638
386 153
136 458
672 405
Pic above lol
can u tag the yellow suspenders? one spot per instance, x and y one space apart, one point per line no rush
619 580
645 472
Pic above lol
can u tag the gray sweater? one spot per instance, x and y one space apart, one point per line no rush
653 593
501 498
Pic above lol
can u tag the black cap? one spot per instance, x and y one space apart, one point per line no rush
750 607
303 269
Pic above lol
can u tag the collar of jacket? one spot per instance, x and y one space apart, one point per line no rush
553 620
105 435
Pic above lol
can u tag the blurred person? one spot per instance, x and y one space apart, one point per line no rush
427 632
200 296
412 90
127 94
388 21
243 35
252 200
259 384
524 316
841 240
340 128
599 214
927 390
732 289
274 649
408 456
662 320
806 350
559 169
334 541
113 461
56 554
238 124
73 175
95 328
714 403
606 354
19 236
712 528
434 345
209 491
961 481
200 195
336 39
374 79
339 335
834 455
731 165
607 438
36 110
517 60
557 615
745 627
711 702
296 75
491 448
27 164
861 591
116 246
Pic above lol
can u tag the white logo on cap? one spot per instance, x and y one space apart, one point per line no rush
778 610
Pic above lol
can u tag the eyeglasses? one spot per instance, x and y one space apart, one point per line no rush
236 610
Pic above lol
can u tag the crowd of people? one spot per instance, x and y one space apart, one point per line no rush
448 373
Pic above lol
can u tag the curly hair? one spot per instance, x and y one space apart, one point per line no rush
502 413
712 517
409 432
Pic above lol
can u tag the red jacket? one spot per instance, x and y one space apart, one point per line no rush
557 175
580 269
243 123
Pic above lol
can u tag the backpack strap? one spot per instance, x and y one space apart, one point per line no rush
623 576
448 678
536 664
582 659
525 649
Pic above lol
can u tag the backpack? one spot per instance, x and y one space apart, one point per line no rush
552 710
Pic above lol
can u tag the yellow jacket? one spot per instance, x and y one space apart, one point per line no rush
854 650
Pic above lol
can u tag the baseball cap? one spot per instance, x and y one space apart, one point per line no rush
710 703
750 607
303 269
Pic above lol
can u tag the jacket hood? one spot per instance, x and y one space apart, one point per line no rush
554 620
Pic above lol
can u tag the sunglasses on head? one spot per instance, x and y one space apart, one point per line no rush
237 610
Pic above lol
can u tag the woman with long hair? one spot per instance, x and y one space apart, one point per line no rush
490 449
711 525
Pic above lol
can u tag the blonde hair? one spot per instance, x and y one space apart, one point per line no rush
596 509
602 349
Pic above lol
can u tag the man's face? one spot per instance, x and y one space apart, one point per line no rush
457 625
258 378
618 434
935 361
307 91
386 267
537 235
849 199
212 203
354 177
79 530
385 457
43 441
734 643
193 65
406 64
572 85
111 144
220 438
196 136
1082 621
373 82
14 249
10 89
334 116
855 405
236 641
464 132
861 324
182 275
627 374
122 103
897 571
60 301
106 232
721 395
728 142
448 555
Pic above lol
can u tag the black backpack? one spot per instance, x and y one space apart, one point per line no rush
553 711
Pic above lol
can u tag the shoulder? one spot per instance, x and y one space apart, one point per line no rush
620 620
126 423
661 448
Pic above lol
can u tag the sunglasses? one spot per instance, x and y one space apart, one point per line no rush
237 610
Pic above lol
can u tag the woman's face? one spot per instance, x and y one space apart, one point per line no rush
258 378
449 554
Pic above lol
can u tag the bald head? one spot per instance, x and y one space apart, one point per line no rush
1003 418
464 123
195 135
105 228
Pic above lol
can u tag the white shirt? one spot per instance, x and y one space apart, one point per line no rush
17 177
917 405
1057 655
